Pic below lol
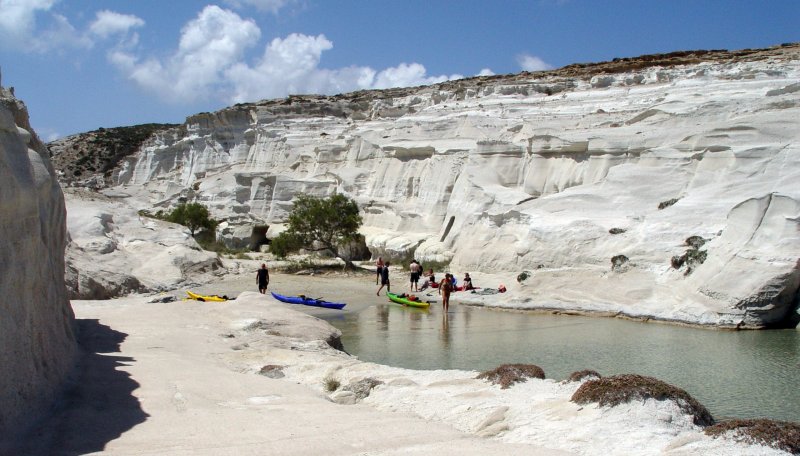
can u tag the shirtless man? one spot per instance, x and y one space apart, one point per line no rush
415 269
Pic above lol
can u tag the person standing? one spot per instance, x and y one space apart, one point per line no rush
414 267
384 279
379 269
262 278
445 287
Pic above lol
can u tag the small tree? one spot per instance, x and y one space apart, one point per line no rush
320 224
194 216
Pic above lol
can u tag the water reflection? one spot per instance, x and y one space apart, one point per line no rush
734 374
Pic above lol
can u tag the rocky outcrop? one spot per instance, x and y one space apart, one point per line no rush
114 251
556 172
37 342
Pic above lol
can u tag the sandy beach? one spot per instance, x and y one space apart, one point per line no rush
158 378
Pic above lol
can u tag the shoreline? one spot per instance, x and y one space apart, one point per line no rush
238 282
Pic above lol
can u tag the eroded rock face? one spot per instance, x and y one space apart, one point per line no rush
114 251
37 342
533 171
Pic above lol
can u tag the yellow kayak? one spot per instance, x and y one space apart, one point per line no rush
206 298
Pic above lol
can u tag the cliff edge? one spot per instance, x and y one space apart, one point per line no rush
37 340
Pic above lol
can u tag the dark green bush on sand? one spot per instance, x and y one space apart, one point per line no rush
619 389
580 375
782 435
508 374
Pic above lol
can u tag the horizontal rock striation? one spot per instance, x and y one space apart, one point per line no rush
535 171
37 342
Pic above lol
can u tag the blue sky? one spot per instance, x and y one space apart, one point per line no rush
84 64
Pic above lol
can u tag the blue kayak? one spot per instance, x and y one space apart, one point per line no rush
308 301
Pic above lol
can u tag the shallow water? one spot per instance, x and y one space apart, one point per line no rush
744 374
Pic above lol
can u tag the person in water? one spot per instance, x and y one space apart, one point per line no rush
379 268
262 278
384 279
445 287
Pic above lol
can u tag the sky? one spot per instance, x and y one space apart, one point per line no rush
84 64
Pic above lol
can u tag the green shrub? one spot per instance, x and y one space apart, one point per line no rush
284 244
194 216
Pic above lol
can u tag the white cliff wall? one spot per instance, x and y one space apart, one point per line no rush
521 173
37 342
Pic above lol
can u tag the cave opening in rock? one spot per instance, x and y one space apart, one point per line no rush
258 237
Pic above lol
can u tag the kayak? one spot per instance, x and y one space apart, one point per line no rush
200 297
407 302
308 301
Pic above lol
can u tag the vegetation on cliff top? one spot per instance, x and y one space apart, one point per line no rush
99 152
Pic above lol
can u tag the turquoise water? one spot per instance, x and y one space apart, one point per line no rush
744 374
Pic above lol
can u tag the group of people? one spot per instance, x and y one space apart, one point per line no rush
445 287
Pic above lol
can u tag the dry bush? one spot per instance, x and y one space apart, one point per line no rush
331 384
782 435
508 374
620 389
580 375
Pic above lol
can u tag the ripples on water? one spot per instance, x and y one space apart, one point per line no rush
744 374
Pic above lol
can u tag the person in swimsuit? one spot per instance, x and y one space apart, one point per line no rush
384 279
262 278
379 268
445 287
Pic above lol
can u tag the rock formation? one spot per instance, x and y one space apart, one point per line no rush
37 342
555 172
114 251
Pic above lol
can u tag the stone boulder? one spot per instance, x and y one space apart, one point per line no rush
114 251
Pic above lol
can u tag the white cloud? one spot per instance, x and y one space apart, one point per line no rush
407 75
110 23
22 30
486 72
210 63
272 6
209 46
532 63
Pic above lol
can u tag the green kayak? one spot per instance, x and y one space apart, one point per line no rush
406 301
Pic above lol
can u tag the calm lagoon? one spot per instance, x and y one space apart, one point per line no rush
741 374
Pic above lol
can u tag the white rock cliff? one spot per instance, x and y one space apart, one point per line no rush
555 173
37 342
